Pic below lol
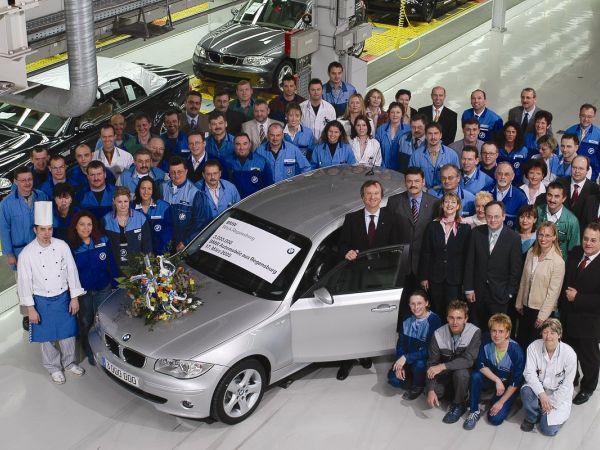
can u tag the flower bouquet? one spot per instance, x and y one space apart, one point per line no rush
158 288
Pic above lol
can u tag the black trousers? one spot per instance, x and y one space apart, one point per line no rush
527 332
588 354
441 294
484 309
453 385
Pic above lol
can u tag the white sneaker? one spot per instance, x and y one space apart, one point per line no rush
74 369
58 378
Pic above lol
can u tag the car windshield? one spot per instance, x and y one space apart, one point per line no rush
16 116
282 14
249 254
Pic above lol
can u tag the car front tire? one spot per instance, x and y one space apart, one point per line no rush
239 392
427 10
285 68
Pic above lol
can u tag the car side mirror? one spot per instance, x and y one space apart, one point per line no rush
323 295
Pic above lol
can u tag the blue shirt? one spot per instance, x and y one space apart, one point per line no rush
228 196
516 159
338 98
511 366
289 161
322 157
415 336
226 150
137 236
176 147
303 139
250 177
129 178
393 155
422 159
87 200
160 218
478 181
489 122
96 265
513 200
589 146
189 210
78 179
467 200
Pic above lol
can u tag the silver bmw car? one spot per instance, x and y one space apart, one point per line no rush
277 296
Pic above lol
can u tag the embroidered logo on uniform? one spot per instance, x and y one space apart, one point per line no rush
517 165
123 252
481 134
591 150
157 227
289 171
510 223
254 179
140 237
182 216
102 256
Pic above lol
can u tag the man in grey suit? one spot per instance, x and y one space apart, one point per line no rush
192 119
525 113
412 210
258 127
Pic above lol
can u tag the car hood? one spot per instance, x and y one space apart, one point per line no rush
239 39
225 313
11 141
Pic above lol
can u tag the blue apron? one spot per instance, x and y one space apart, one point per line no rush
56 323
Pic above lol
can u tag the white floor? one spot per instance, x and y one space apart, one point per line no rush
554 48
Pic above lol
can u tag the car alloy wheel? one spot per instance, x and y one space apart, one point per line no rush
239 392
427 10
285 68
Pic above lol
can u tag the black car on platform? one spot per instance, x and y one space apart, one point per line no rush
123 87
421 10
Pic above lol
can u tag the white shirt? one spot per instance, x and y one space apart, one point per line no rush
316 123
368 218
531 200
555 377
590 258
554 217
46 271
372 154
121 161
501 194
579 183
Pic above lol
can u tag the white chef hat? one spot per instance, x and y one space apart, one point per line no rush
42 213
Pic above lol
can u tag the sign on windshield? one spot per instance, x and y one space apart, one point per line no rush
251 248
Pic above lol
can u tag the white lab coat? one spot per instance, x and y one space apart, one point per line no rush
554 376
372 154
326 113
121 161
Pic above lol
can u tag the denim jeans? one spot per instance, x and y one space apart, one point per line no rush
531 405
480 382
88 305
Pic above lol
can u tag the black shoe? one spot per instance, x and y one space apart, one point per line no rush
454 413
581 398
527 426
412 393
367 363
344 370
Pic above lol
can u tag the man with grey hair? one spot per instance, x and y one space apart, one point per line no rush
450 177
511 196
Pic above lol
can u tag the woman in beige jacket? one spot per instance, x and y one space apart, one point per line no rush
541 282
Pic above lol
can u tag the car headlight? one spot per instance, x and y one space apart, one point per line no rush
180 368
5 183
257 60
200 52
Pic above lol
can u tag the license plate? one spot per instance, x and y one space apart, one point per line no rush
120 373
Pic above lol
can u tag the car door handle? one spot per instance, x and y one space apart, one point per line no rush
384 308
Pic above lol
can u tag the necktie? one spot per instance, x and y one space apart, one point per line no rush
525 121
415 210
416 144
477 117
261 134
371 231
193 124
583 264
575 195
466 179
582 135
493 238
437 115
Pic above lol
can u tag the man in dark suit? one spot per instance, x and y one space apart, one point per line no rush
493 265
437 112
591 211
578 187
412 210
369 227
197 159
235 119
525 113
579 307
192 119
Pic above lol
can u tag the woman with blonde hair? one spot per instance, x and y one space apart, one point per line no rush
541 283
354 108
482 198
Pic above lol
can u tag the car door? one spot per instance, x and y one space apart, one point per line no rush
360 321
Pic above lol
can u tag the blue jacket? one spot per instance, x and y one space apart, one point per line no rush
511 366
251 177
533 148
415 336
513 200
516 159
189 209
321 156
60 225
130 180
478 182
160 219
221 153
16 221
137 236
176 147
393 156
590 146
489 123
87 200
228 196
79 180
96 265
467 200
422 159
304 140
290 161
47 187
339 101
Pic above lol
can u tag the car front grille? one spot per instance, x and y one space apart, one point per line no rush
223 59
129 356
227 59
214 57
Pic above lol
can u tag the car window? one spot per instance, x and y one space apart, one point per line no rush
284 14
374 270
109 97
18 117
133 91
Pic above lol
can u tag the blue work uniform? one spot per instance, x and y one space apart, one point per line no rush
303 139
189 210
392 155
16 221
96 265
322 157
129 178
251 176
47 187
467 200
489 122
220 152
178 146
479 181
134 239
513 200
87 200
289 160
533 148
228 196
338 98
160 218
516 159
563 168
79 180
588 146
422 159
60 225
